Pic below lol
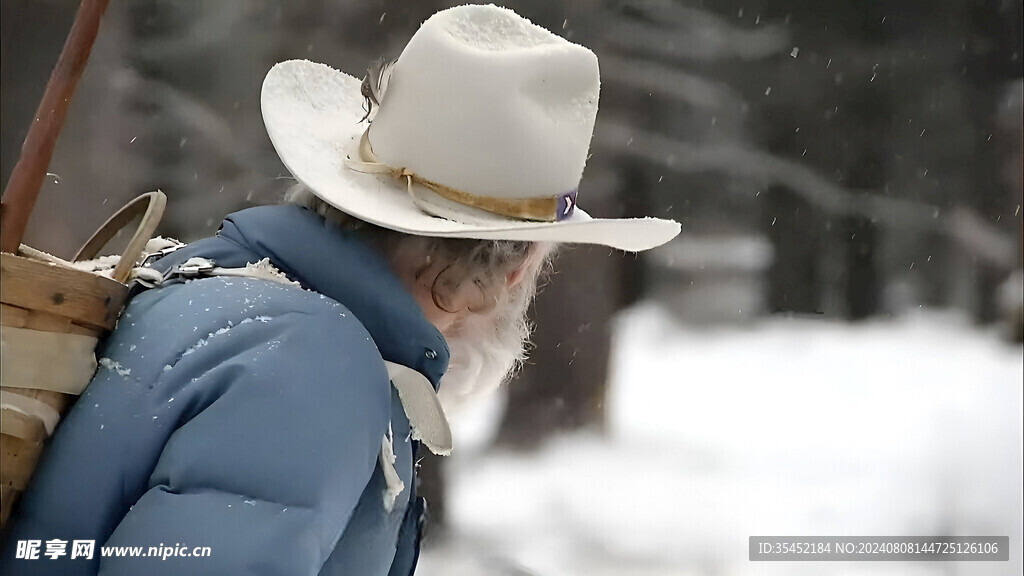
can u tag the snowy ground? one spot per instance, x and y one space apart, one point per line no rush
792 427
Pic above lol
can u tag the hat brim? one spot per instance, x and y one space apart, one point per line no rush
312 114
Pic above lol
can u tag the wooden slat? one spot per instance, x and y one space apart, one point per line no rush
19 458
60 401
44 321
8 498
88 299
22 426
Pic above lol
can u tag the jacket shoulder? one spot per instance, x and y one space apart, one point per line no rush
163 327
194 378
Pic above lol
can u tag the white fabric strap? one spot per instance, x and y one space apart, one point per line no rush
29 408
52 361
391 478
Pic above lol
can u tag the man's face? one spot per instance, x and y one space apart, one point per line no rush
485 327
443 303
448 298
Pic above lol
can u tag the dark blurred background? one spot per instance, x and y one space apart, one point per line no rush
837 159
847 154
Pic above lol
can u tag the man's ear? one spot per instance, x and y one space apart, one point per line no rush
516 276
538 251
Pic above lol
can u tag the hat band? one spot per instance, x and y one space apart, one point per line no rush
550 209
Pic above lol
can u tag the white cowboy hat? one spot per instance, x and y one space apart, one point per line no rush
482 129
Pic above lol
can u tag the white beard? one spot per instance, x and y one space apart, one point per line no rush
486 349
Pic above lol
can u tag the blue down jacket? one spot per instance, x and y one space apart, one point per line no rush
244 415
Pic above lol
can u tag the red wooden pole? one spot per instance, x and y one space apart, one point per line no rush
27 178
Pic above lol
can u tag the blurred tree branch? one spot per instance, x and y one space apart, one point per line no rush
766 168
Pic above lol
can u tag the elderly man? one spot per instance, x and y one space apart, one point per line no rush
259 411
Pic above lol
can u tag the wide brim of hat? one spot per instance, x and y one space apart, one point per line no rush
313 117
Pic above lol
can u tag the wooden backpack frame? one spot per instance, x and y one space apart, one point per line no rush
51 313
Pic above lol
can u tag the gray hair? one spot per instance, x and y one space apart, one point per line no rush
487 347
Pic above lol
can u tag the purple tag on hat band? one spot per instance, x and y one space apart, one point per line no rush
566 205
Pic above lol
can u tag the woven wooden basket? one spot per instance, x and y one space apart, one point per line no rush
52 317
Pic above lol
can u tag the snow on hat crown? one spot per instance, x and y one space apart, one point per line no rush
486 102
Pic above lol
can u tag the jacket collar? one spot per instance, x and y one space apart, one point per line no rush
335 263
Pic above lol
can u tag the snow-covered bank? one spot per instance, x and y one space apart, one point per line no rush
792 427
